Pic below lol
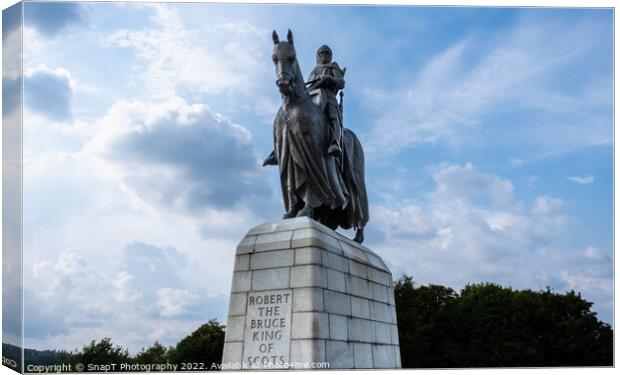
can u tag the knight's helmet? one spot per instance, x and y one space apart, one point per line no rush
324 49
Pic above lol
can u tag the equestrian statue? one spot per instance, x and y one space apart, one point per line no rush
321 162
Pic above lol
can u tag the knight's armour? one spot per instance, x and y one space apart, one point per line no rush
326 92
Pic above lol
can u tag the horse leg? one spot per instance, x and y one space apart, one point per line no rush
306 211
293 211
359 235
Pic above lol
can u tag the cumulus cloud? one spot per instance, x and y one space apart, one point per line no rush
179 155
217 58
48 91
464 181
545 205
163 172
582 180
143 300
593 253
471 228
174 302
51 18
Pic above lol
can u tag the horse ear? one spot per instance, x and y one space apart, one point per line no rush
275 37
289 36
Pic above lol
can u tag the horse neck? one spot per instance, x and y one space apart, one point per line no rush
301 93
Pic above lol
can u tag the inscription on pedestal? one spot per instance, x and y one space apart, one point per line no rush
267 329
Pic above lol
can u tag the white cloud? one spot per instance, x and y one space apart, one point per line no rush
588 285
593 253
139 178
463 181
174 302
70 301
217 58
471 228
178 156
455 96
125 294
545 205
49 92
582 180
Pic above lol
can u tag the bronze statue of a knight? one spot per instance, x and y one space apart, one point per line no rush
324 82
321 163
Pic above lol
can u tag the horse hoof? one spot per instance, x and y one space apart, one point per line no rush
306 211
289 215
359 235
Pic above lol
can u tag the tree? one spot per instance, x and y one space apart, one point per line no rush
488 325
100 353
420 329
154 354
204 345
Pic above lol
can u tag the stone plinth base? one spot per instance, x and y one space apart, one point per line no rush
304 296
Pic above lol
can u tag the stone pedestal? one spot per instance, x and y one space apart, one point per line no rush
304 296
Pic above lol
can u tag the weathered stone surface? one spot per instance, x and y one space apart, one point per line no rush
267 331
357 287
358 269
242 281
335 280
307 351
273 241
338 329
233 354
272 259
390 295
341 306
376 261
380 311
378 292
353 252
310 325
379 276
393 315
394 334
361 330
234 329
242 262
307 276
246 245
360 307
383 356
311 237
286 225
339 354
275 278
337 303
308 255
308 299
237 303
363 355
383 334
335 261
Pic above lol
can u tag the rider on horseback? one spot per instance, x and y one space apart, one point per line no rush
325 80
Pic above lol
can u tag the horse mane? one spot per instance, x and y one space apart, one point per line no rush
300 84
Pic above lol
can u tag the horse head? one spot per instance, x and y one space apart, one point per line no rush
284 58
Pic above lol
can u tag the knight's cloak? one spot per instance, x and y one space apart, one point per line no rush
306 171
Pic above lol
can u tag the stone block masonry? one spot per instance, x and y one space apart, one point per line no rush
302 294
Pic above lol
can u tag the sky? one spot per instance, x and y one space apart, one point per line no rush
487 133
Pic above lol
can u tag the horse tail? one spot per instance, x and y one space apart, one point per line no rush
355 180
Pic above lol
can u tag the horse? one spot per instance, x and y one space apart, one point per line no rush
328 189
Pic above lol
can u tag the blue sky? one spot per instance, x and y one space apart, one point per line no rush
488 137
